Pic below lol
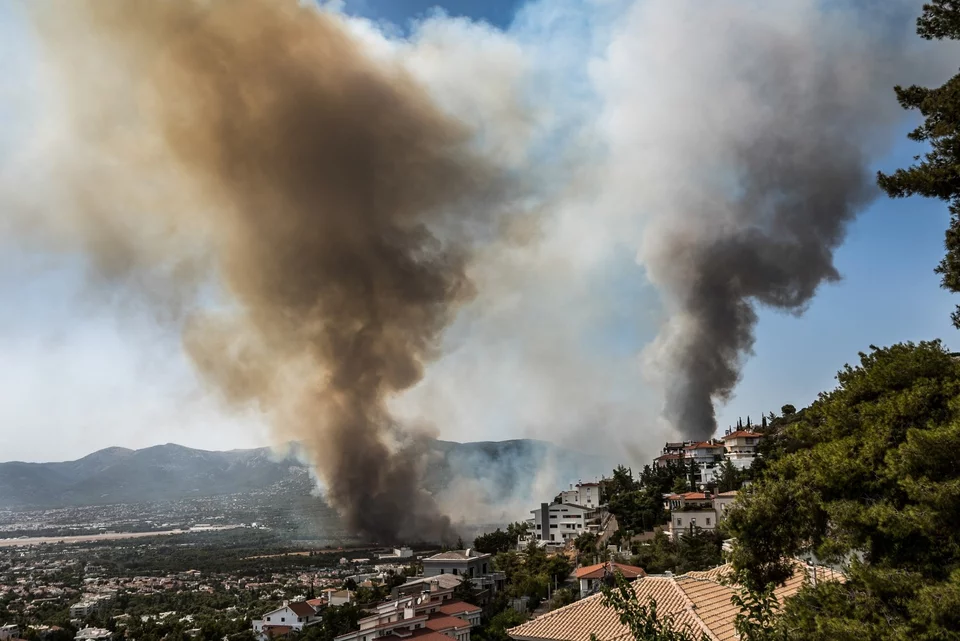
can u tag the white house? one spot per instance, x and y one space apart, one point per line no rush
559 522
476 566
9 631
741 447
398 553
289 617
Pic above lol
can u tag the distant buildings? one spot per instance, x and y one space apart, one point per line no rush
398 553
738 447
585 494
10 631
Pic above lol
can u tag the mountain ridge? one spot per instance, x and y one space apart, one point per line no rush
174 472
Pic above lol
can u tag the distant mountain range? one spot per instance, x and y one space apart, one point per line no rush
174 472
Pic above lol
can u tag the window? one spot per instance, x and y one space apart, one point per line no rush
455 571
471 571
538 526
282 619
268 618
678 522
442 571
708 520
553 526
299 620
484 568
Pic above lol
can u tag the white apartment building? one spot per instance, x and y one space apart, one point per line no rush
585 494
289 617
560 522
741 447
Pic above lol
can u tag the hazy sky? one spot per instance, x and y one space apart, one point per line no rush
80 372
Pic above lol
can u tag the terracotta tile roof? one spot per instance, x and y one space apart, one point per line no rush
689 496
597 571
458 607
697 601
730 493
742 433
576 622
703 445
302 609
669 457
442 623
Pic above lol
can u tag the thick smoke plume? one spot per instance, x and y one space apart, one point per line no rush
749 131
303 209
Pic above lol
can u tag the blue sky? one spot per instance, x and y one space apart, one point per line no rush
74 376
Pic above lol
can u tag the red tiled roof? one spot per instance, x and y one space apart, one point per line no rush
743 433
669 457
458 607
302 609
316 603
441 623
703 445
597 571
698 601
689 496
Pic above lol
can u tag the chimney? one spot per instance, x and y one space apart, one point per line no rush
285 603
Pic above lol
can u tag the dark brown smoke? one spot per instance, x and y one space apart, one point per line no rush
307 208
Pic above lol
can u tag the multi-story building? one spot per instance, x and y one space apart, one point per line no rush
93 634
741 447
560 522
289 617
475 566
585 494
432 613
697 510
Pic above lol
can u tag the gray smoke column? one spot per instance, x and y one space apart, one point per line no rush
304 213
744 140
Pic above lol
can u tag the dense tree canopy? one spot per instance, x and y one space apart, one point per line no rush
937 175
868 476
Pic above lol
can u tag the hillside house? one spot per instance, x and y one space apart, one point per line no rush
476 566
592 577
289 617
741 447
560 522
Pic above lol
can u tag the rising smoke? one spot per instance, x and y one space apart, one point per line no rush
254 145
745 143
289 188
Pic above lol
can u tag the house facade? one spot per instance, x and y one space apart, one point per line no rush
696 510
741 447
289 617
476 566
560 522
